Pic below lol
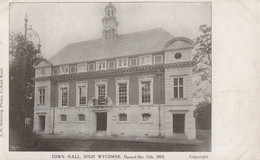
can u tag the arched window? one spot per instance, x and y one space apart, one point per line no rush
81 117
122 117
146 117
63 117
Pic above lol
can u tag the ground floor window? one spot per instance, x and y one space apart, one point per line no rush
146 117
63 118
122 117
81 117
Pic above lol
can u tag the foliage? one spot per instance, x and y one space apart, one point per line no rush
203 62
202 57
203 115
21 84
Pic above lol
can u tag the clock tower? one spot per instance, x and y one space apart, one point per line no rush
109 23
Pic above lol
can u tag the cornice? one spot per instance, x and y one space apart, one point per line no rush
116 71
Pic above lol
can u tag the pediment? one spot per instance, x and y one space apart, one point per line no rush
179 43
42 63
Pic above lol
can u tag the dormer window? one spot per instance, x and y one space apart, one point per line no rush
72 69
133 62
64 70
158 59
145 60
82 67
122 62
55 71
111 64
91 67
101 65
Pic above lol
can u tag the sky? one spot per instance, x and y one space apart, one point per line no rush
59 24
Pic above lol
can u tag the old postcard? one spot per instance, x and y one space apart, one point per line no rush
129 80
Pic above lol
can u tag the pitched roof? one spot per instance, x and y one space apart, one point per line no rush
125 45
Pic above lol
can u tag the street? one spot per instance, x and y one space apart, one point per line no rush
50 144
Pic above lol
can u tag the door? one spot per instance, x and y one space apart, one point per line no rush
178 123
41 123
101 121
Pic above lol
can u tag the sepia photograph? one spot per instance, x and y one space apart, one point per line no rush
108 76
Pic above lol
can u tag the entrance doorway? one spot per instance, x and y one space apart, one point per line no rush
41 123
101 121
178 123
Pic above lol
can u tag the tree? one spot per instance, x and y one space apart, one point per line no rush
203 115
203 63
22 55
202 57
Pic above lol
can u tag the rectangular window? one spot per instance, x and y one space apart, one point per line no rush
63 118
122 62
82 67
101 94
91 67
146 117
178 88
64 70
122 117
72 69
41 95
158 59
82 95
133 62
101 65
55 71
145 60
146 92
122 93
111 64
64 96
82 117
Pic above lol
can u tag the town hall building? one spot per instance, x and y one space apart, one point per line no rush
120 85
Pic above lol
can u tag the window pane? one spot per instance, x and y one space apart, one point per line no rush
101 94
133 62
122 117
158 59
175 81
175 92
64 96
181 92
81 117
122 93
146 117
41 95
146 95
82 95
181 81
125 64
63 118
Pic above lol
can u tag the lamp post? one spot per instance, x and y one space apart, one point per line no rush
29 35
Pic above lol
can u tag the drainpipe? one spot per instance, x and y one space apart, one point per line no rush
53 111
159 73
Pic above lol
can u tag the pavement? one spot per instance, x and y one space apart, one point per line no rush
125 139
